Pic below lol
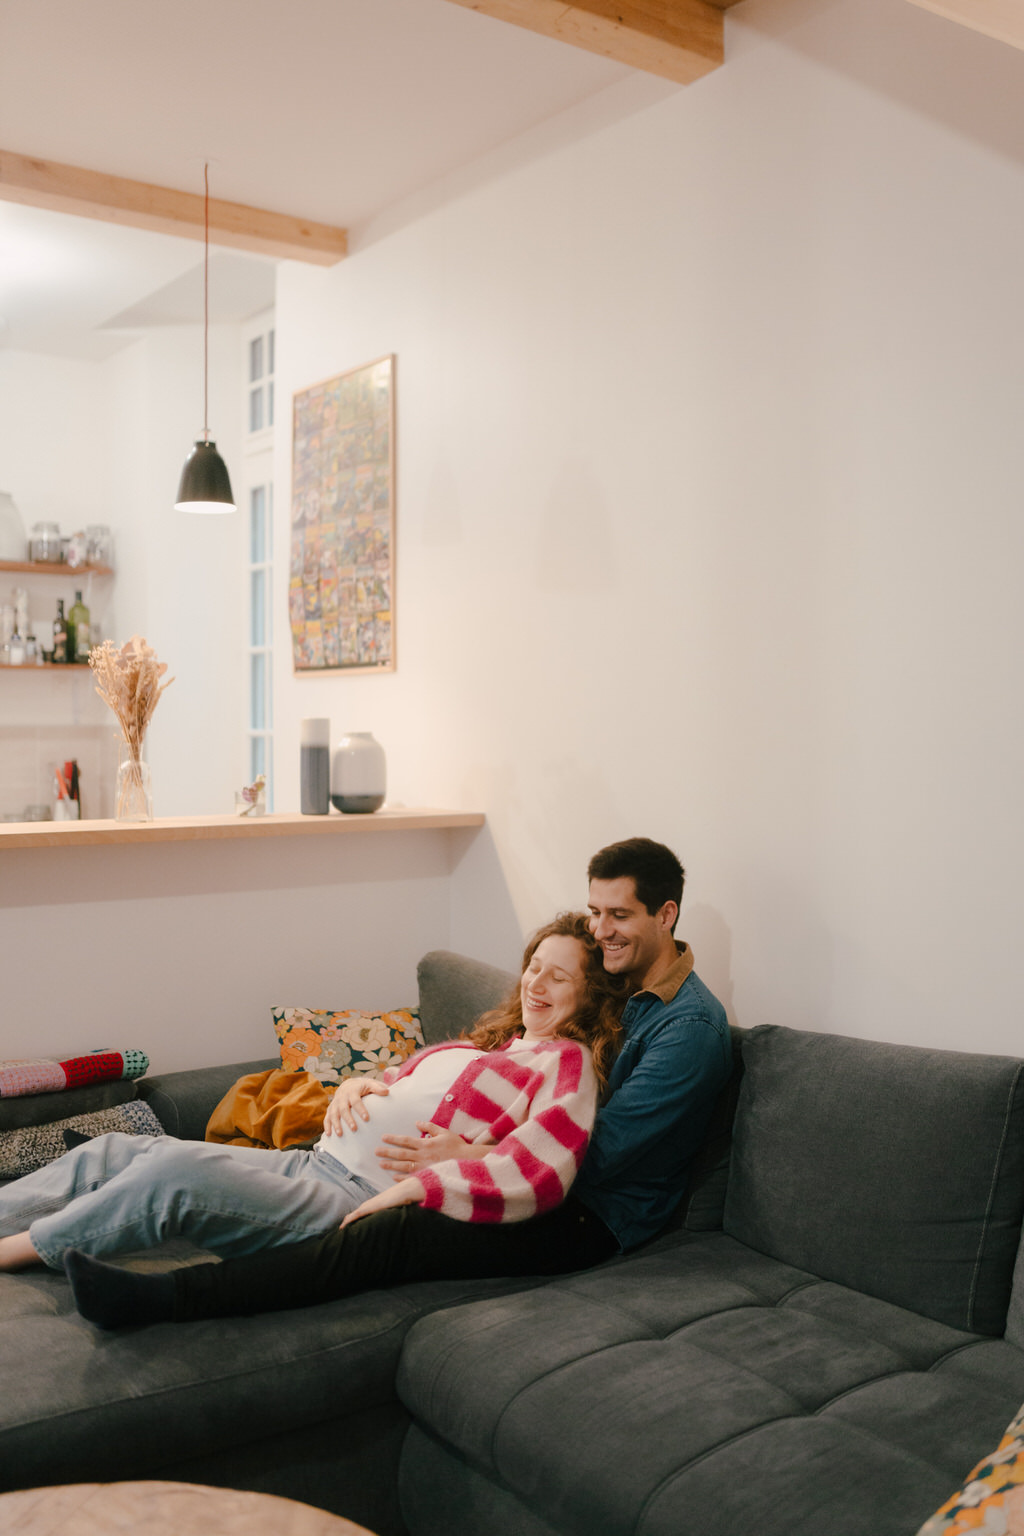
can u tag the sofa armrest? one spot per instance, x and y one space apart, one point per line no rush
184 1101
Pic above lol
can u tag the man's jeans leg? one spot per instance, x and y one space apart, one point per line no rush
231 1200
392 1248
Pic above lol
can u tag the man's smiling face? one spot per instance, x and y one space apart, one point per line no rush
635 943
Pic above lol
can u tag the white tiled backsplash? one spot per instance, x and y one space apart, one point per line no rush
28 754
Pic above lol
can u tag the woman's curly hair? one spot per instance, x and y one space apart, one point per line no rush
596 1022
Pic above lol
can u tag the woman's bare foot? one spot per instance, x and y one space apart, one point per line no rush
17 1252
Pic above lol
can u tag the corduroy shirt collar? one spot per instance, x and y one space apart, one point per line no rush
669 982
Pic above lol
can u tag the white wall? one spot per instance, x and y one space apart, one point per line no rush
179 950
182 949
181 577
709 489
55 461
104 442
709 501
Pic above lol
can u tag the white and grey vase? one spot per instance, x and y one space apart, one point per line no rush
358 774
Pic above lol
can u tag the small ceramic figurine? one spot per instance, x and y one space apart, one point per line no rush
251 801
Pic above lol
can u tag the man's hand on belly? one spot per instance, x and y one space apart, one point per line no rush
406 1192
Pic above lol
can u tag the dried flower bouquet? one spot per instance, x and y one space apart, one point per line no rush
129 681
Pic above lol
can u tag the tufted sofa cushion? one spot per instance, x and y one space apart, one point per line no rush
298 1403
699 1387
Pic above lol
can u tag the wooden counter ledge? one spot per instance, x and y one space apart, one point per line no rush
188 829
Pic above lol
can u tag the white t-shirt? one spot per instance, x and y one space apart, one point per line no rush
414 1097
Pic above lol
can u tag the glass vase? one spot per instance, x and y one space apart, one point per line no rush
133 800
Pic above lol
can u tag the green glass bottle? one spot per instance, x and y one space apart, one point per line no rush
78 631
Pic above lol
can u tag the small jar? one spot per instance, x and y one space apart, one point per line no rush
98 544
44 543
76 553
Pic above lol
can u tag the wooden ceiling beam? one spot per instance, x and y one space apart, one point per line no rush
677 39
1001 19
137 204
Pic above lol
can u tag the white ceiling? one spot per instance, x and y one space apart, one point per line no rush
332 110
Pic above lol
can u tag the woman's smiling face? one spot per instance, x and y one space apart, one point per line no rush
552 986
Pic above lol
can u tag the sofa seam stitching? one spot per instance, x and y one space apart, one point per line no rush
1010 1099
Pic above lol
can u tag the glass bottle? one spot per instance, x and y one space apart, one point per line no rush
60 634
79 642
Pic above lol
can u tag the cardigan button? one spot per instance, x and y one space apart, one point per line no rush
449 1098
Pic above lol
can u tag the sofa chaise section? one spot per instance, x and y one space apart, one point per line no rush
832 1360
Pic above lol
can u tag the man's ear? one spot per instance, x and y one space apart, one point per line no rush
668 915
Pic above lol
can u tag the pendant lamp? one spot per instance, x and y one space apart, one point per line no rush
205 485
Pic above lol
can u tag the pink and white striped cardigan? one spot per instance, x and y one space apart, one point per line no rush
537 1104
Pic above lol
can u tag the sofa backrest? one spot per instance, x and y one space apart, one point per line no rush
895 1170
1015 1314
702 1208
455 991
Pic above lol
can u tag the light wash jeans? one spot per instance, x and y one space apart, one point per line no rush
120 1193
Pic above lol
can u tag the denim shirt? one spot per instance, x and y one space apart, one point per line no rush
675 1059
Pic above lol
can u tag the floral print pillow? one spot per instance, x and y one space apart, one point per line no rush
990 1501
330 1045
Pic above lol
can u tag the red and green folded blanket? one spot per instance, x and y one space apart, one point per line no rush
46 1075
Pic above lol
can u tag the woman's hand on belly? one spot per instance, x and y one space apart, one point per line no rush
408 1192
403 1155
347 1103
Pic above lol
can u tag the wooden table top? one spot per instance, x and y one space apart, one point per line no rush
162 1509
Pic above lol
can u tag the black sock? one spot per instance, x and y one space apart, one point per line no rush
112 1297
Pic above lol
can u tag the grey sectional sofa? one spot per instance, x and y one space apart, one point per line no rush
828 1339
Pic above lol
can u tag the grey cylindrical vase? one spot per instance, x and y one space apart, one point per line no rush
315 766
358 774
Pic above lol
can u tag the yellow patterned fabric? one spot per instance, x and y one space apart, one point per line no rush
990 1501
270 1109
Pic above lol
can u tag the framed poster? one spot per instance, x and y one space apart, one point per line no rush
342 570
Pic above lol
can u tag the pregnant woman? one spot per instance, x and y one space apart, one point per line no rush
523 1084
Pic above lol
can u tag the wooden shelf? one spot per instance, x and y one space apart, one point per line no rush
54 568
192 829
46 666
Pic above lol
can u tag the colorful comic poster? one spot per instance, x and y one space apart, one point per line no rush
343 532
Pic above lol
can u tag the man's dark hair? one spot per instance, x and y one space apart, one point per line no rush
653 868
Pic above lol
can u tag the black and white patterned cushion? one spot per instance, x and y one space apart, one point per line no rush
33 1146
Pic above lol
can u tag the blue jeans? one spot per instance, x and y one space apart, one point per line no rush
120 1193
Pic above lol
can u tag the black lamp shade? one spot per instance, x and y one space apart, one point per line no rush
204 486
